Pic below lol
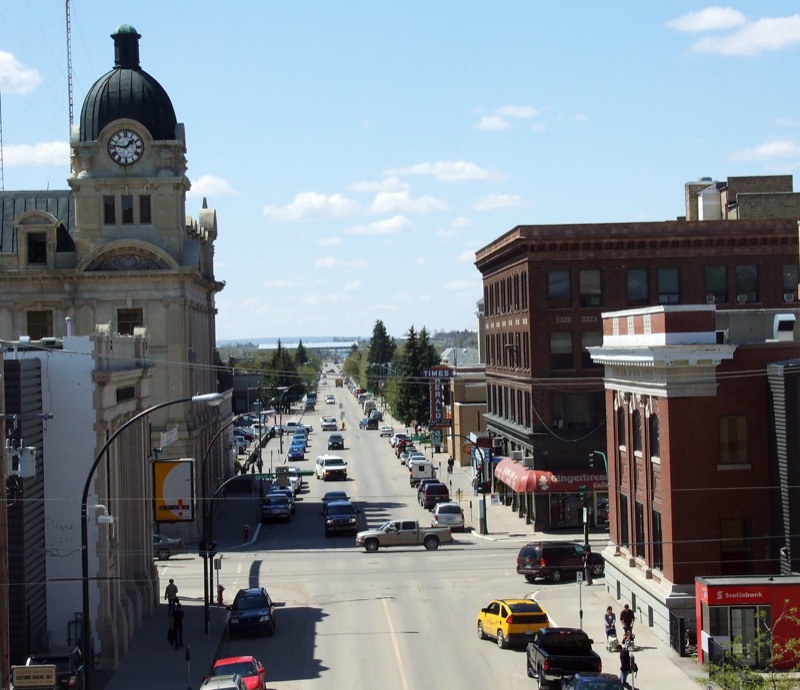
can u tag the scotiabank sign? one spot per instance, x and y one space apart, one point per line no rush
735 596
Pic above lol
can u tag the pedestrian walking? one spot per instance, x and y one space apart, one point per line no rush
260 465
450 463
624 665
587 566
177 625
475 485
610 619
626 617
171 595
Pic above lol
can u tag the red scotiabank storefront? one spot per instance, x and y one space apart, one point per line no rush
552 499
732 611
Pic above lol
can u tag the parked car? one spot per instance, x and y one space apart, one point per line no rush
275 507
250 669
335 442
229 682
433 494
448 514
386 430
554 559
593 681
368 423
511 621
165 547
68 662
341 517
397 436
247 434
289 493
252 610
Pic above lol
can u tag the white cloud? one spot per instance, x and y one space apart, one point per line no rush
312 205
785 148
708 19
460 285
461 222
352 286
333 262
517 111
420 261
466 255
447 171
327 298
16 78
208 185
387 226
492 123
390 202
764 35
447 232
50 153
491 202
279 283
388 184
329 241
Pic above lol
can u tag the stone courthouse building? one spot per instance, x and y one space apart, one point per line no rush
115 255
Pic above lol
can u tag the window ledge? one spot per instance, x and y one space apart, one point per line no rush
734 468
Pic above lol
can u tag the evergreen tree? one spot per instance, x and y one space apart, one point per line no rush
281 372
300 354
379 356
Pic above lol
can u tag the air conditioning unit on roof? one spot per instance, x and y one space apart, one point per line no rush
516 455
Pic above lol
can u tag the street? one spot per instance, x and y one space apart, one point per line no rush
401 618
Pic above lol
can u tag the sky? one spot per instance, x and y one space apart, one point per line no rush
358 154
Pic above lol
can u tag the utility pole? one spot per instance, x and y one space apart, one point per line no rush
5 667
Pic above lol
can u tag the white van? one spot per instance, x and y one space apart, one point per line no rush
420 469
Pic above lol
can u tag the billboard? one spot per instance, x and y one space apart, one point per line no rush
173 490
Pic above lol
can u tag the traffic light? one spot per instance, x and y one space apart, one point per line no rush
584 494
591 461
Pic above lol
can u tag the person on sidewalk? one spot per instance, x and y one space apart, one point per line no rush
177 625
450 463
624 665
587 565
626 617
610 619
171 595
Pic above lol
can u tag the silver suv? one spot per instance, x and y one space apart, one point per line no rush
449 515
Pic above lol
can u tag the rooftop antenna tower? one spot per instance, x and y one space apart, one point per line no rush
2 180
69 67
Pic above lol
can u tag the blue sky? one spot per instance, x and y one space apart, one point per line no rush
359 153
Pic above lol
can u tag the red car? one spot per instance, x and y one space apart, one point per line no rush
249 668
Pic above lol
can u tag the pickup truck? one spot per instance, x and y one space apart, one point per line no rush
555 654
403 533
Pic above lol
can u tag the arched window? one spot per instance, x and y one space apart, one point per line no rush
622 431
655 443
637 431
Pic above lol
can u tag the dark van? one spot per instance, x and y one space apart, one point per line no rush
552 560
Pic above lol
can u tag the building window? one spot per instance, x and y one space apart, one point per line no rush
558 289
637 432
622 432
736 546
658 548
37 248
746 284
624 539
716 284
126 203
590 339
639 549
40 324
145 217
790 281
128 319
591 288
561 350
733 440
669 286
125 393
655 442
109 211
638 288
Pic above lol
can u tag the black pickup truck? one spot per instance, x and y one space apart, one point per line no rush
558 653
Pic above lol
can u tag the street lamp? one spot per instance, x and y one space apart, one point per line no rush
283 390
212 399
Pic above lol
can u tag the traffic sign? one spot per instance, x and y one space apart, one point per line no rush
436 437
44 676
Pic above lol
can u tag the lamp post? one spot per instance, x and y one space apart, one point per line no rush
212 399
283 390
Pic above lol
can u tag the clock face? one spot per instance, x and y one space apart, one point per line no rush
125 147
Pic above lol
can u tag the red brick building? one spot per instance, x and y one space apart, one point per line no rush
692 450
547 286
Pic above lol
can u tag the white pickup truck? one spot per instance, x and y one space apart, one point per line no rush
403 533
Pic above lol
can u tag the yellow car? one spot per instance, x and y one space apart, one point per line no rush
511 621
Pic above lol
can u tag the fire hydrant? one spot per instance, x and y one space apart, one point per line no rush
246 532
220 590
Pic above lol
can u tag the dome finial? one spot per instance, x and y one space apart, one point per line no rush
126 47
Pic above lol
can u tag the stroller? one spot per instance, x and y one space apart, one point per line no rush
612 641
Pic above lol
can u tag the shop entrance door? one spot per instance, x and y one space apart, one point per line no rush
743 634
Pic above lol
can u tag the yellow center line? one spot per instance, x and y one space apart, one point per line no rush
396 646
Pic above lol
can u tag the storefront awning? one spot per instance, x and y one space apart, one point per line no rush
526 480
